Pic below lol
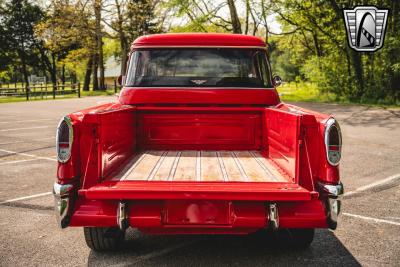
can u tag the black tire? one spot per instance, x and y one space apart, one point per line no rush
103 238
296 237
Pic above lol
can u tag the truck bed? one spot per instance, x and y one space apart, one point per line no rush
197 166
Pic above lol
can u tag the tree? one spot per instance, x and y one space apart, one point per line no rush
68 35
327 60
18 19
117 24
236 26
140 19
98 56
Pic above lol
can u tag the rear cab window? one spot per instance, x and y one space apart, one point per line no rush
199 67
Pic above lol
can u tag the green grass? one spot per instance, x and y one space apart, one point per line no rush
289 92
98 93
308 92
12 99
303 92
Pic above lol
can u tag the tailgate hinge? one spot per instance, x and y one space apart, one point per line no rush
273 216
122 215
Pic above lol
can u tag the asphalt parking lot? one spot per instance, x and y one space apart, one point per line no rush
368 232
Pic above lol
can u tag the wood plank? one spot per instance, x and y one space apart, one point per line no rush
207 166
157 166
272 169
186 169
131 166
146 165
164 172
252 168
210 167
231 168
259 158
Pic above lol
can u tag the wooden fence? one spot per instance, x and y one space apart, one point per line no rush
43 91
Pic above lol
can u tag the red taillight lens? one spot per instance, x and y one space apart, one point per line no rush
64 139
333 142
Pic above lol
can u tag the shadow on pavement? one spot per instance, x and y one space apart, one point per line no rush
357 115
257 249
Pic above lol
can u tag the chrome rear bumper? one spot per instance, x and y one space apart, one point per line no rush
62 198
332 193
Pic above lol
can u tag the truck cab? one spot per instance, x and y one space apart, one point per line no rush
198 142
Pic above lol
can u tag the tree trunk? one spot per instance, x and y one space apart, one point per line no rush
53 72
265 22
246 30
359 75
95 77
395 77
122 38
395 16
124 58
99 42
236 27
63 74
73 77
349 73
24 70
47 64
318 50
88 73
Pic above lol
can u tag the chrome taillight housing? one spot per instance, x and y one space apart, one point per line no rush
64 139
333 142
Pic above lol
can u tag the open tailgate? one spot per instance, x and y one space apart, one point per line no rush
134 190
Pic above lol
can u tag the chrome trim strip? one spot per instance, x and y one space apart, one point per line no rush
136 47
62 190
172 172
61 193
273 216
68 121
222 167
197 88
198 166
331 196
332 191
122 216
331 122
240 167
157 166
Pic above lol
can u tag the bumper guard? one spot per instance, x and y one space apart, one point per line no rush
333 194
62 194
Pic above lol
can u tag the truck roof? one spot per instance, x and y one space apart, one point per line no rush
198 40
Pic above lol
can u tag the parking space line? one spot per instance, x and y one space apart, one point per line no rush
27 155
156 253
373 185
25 198
44 138
26 128
15 142
376 220
26 121
30 140
16 161
394 218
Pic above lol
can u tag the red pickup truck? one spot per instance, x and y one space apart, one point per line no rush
198 143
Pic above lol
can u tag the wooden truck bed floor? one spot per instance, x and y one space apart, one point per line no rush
209 166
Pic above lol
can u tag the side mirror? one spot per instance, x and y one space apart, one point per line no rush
121 80
277 80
